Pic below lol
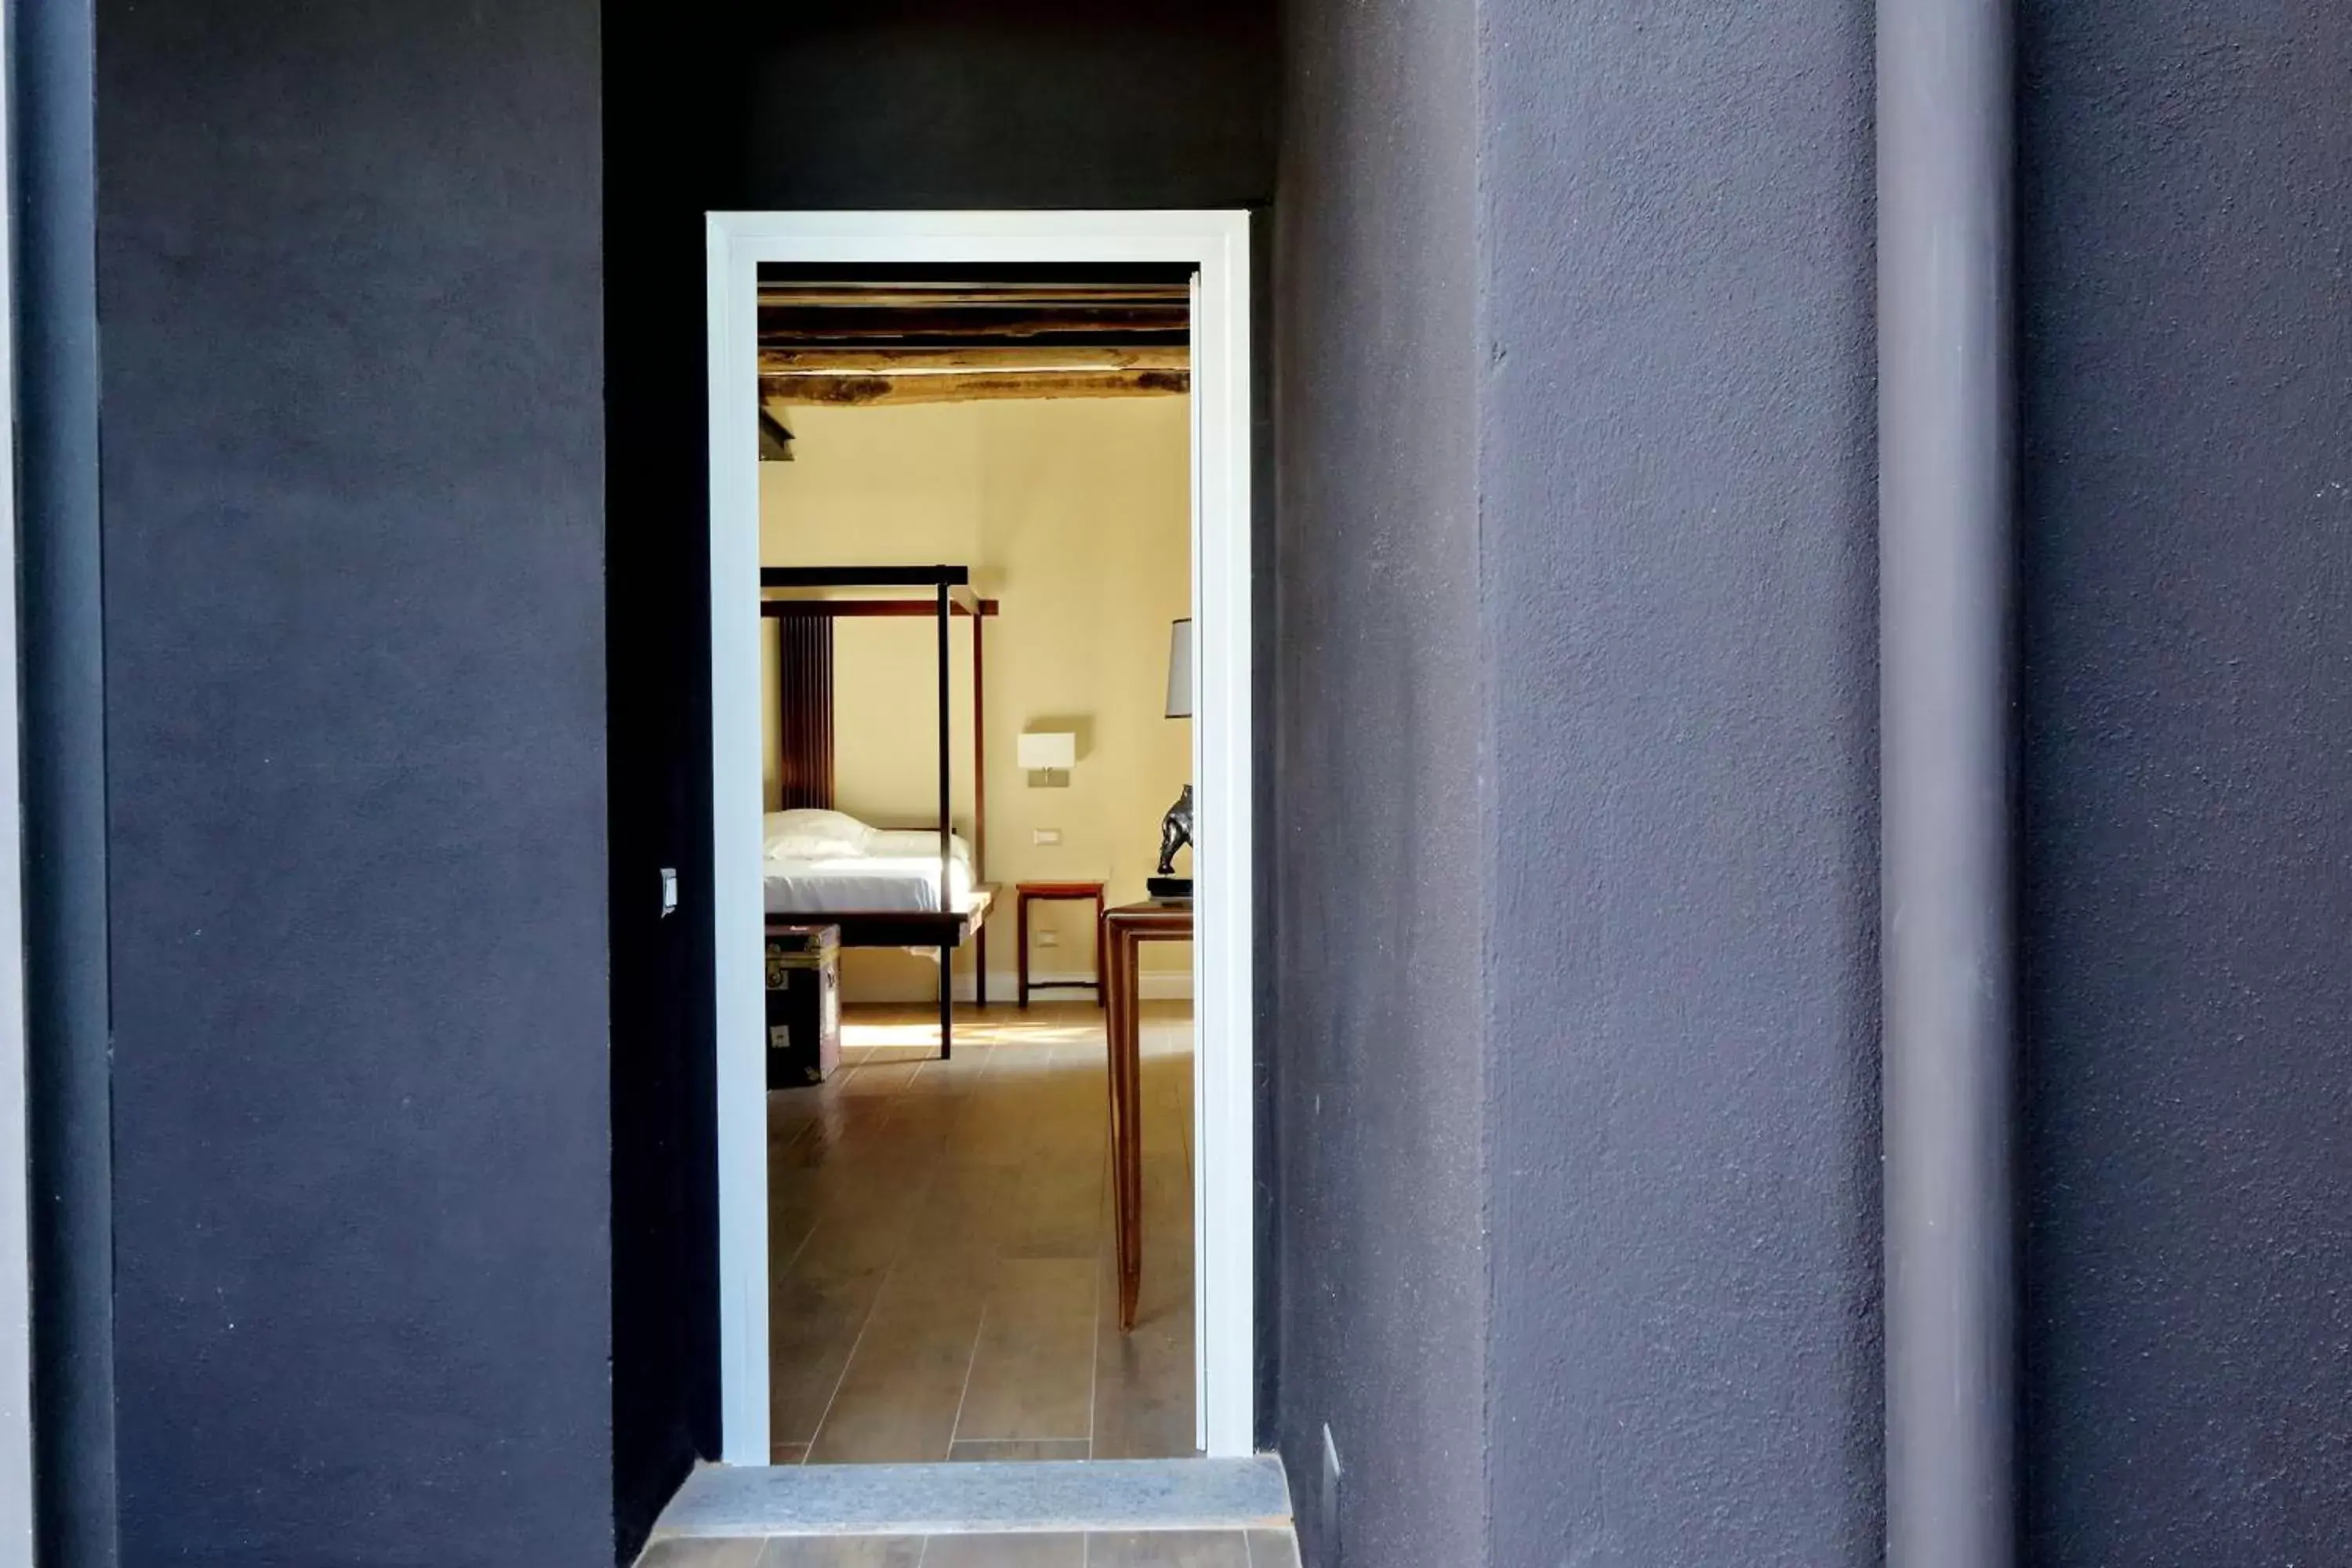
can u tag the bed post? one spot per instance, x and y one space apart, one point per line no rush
979 803
951 593
947 954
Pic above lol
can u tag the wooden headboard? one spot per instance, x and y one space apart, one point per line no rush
804 712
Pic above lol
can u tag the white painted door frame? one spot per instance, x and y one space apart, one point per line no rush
1217 245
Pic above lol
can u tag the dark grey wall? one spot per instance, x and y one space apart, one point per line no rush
659 141
2186 208
1576 561
1165 103
1018 103
1678 526
1379 1048
349 293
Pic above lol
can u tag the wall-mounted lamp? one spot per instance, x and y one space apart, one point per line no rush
1049 751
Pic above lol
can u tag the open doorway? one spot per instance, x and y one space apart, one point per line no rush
980 643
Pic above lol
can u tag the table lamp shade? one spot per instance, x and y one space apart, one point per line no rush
1045 751
1180 670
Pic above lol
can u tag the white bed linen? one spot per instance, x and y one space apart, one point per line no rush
896 870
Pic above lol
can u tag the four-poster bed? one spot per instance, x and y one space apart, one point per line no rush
890 891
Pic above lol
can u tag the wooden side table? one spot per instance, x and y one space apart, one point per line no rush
1125 930
1043 891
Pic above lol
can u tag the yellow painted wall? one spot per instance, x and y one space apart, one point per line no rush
1075 514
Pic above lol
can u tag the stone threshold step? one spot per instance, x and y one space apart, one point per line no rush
1071 1495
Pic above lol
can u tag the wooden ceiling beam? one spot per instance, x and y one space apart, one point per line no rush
974 296
917 327
850 389
994 358
844 342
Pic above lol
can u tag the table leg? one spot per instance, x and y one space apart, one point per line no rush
947 1004
1102 995
1023 989
1127 1174
1115 1118
980 968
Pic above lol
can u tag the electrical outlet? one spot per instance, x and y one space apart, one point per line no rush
1044 835
669 890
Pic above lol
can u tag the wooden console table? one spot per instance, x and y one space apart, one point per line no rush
1125 930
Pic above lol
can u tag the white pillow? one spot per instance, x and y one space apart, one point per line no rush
809 835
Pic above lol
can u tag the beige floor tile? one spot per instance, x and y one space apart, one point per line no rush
1059 1209
701 1554
901 1206
859 1227
1005 1551
1167 1284
960 1075
882 1077
1168 1549
1032 1376
969 1450
963 1229
1144 1385
813 1326
790 1116
1143 1389
845 1552
923 1043
841 1132
1273 1549
899 1398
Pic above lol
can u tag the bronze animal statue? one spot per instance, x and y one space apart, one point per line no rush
1175 831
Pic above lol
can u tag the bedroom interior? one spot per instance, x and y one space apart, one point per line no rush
976 538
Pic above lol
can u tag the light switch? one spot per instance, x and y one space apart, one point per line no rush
1044 835
669 890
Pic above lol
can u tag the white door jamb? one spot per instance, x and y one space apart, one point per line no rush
1217 244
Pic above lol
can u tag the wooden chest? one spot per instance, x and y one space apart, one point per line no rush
804 1005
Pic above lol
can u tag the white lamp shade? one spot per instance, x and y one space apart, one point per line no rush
1180 670
1043 750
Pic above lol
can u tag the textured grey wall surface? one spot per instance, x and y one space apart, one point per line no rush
1578 996
1380 779
2187 622
1678 517
1572 1005
349 293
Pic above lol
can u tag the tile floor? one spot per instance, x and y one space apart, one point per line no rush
1150 1549
940 1240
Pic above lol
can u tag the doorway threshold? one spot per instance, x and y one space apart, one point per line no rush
1073 1497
